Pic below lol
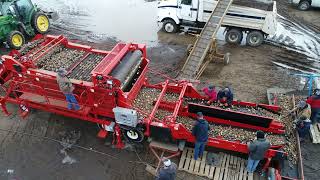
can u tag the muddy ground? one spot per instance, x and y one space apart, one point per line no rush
250 73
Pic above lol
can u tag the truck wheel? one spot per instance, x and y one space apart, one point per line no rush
134 135
169 26
255 38
40 23
304 5
15 40
234 36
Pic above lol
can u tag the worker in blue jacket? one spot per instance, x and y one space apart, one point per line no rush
200 131
225 97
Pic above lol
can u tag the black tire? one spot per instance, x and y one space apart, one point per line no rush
169 26
44 23
234 36
304 5
255 38
134 135
13 43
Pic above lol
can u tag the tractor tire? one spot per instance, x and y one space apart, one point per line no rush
255 38
134 135
169 26
40 23
304 5
15 40
234 36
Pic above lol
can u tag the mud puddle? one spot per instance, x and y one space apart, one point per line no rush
96 20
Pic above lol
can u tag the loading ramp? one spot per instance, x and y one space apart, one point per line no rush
206 42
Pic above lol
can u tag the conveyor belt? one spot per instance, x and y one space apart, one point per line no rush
202 45
83 70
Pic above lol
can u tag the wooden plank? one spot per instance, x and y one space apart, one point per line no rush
250 176
237 170
226 170
183 158
200 165
245 172
211 172
223 166
242 169
191 167
207 170
188 159
218 168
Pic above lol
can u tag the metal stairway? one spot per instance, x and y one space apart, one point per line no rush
203 43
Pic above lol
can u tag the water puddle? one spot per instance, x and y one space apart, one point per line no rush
123 20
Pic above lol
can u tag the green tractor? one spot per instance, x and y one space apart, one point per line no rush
19 18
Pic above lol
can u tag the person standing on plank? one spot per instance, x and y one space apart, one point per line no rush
200 131
67 88
257 149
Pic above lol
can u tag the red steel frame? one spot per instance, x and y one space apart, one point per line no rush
97 99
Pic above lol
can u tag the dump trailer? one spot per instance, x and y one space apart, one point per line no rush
112 90
192 15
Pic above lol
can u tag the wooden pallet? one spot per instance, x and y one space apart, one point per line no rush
229 168
315 133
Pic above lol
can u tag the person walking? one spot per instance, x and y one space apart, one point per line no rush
200 131
168 171
211 94
67 88
314 102
257 150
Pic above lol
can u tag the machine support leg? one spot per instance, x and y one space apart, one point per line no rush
266 165
4 109
117 138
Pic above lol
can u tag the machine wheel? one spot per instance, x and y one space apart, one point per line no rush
304 5
169 26
255 38
234 36
134 135
15 40
41 23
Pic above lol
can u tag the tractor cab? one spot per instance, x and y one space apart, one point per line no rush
21 17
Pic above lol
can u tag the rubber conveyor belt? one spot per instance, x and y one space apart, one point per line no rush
202 44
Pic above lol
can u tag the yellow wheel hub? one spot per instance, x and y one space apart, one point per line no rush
43 23
17 40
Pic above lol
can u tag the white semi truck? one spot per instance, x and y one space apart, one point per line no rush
191 15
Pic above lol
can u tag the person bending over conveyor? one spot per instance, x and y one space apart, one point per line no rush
225 97
211 94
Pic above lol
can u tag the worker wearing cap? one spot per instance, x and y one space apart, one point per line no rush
225 97
257 150
303 127
200 131
211 94
314 102
303 109
168 171
67 88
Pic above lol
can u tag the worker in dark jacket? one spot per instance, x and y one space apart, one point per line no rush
314 102
225 97
211 94
303 127
302 109
200 131
168 171
257 150
67 88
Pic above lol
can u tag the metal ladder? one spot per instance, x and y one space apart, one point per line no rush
203 43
